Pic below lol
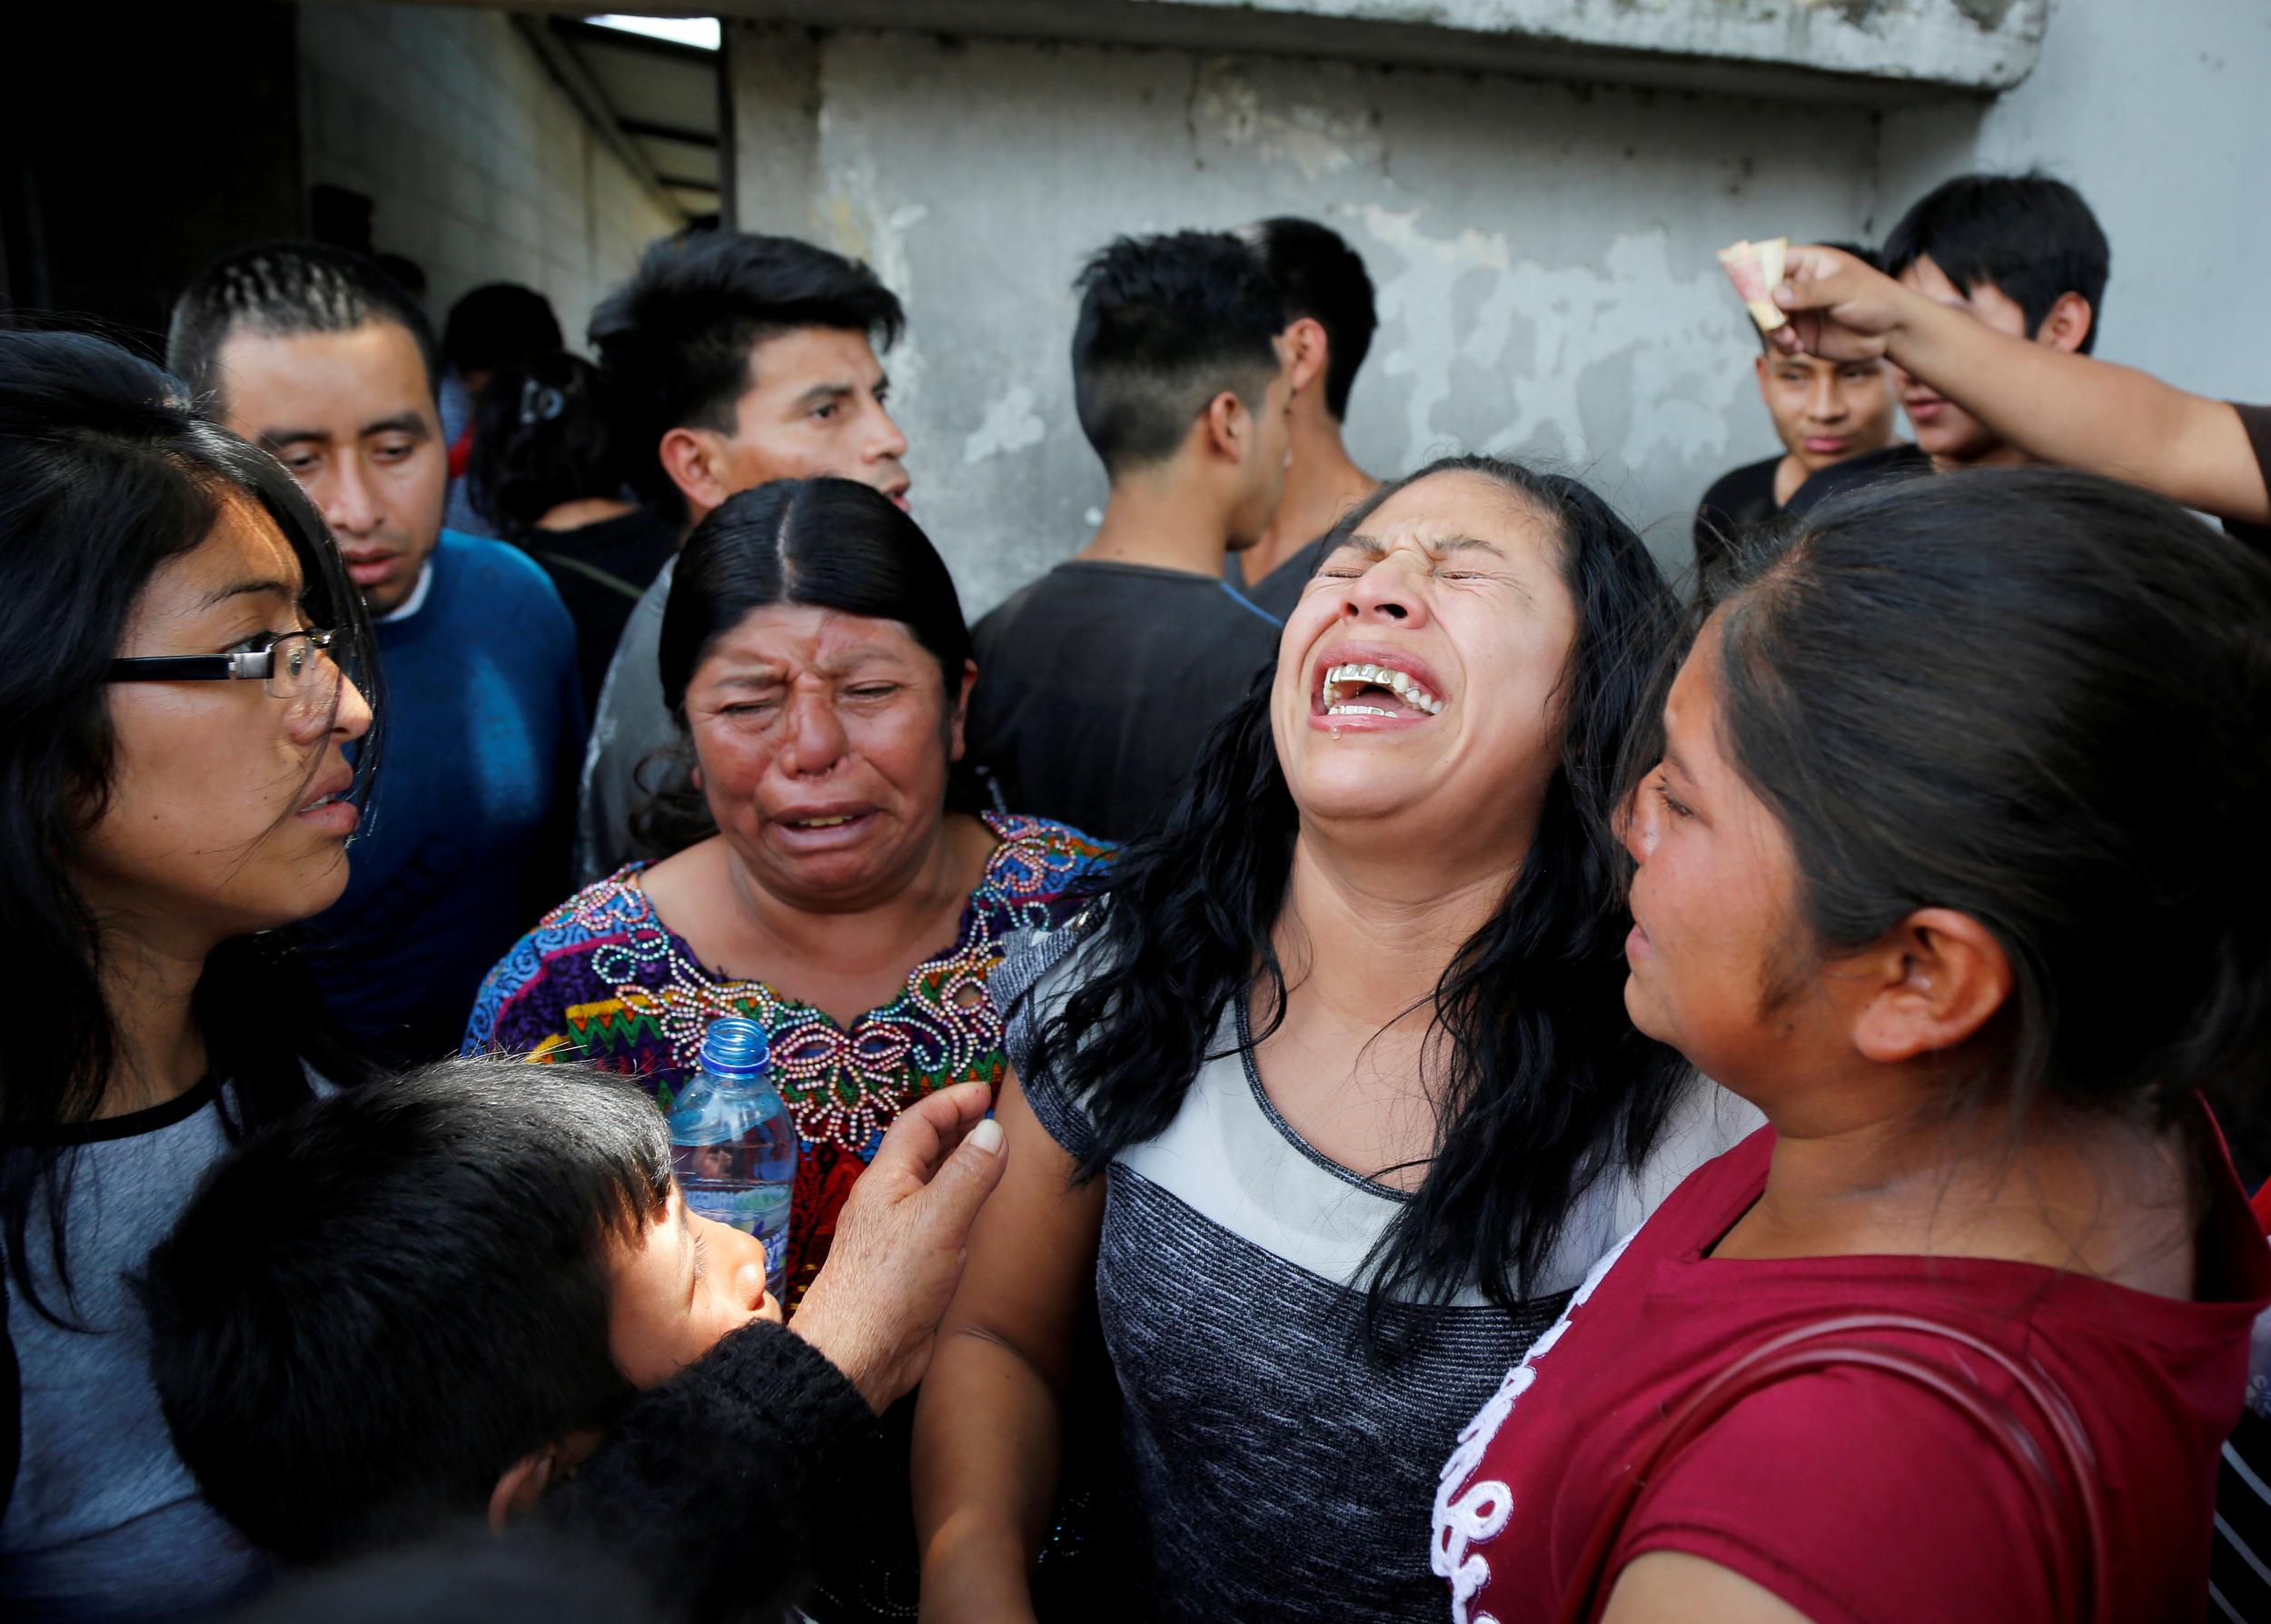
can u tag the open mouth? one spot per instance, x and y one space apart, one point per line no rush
1359 688
821 824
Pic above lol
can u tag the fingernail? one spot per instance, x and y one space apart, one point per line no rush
986 1137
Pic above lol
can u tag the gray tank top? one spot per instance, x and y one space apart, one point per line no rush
1275 1473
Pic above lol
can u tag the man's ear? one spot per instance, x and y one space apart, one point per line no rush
2068 325
1760 363
519 1487
695 460
1307 350
1942 976
1227 427
962 708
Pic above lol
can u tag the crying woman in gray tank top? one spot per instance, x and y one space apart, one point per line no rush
1329 1098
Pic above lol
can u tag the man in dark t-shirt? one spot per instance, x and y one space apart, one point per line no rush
1097 683
1330 321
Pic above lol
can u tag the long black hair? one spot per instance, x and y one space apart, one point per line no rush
541 437
105 473
2043 700
1548 1086
826 543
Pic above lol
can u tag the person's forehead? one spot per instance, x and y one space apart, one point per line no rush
788 363
245 546
783 635
1452 507
335 383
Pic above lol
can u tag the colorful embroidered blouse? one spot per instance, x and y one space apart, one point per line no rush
602 978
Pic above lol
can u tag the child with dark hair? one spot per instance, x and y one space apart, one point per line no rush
2023 255
548 472
431 1300
1103 676
315 353
732 359
1330 321
1949 859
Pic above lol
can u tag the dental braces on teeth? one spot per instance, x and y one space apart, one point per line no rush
1387 676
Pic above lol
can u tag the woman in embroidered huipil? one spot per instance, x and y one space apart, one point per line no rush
815 655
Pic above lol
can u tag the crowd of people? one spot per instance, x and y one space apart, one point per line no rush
1356 1050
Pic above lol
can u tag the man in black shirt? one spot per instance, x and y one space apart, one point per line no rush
1096 683
1330 323
1828 414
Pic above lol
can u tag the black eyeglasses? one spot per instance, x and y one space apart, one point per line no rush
295 667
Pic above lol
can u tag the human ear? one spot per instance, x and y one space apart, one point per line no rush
2068 325
1306 349
1941 977
1227 427
962 708
519 1487
695 460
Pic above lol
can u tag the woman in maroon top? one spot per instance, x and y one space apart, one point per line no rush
1953 864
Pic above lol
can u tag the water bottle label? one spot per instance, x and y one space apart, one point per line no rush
761 1211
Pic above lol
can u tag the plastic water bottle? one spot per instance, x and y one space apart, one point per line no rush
733 1144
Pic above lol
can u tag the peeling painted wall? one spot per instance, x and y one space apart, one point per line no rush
1543 254
2156 113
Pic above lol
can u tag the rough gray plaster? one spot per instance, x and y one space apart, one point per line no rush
1891 47
1544 257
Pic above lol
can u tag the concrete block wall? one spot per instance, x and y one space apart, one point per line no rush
481 167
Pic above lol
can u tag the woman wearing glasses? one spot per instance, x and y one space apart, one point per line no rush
175 788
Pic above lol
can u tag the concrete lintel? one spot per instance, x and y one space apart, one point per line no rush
1885 53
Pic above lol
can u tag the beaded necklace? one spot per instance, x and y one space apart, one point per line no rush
843 1085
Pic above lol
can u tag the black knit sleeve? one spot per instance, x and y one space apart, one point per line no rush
714 1486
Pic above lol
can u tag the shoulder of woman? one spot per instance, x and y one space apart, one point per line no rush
599 913
1048 851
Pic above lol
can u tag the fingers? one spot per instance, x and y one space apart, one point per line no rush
927 1131
960 1187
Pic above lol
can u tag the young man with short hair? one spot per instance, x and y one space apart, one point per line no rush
1828 415
2053 405
1097 681
734 360
1330 323
476 1290
2022 255
315 353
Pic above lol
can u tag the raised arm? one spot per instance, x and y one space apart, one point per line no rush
2062 408
988 1423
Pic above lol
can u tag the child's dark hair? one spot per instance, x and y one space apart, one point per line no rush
541 437
2040 699
1167 323
372 1309
2032 237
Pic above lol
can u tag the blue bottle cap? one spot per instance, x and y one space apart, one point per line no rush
734 1047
